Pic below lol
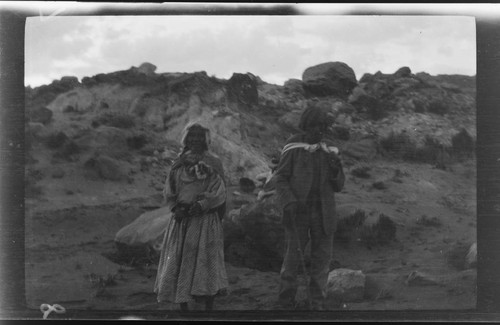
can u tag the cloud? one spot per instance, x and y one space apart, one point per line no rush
272 47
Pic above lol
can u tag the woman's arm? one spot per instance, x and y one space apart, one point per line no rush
170 189
215 194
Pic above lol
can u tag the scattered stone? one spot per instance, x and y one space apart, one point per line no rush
418 279
346 285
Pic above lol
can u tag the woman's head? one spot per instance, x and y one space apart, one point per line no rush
196 138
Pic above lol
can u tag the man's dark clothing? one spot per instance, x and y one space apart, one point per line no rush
311 179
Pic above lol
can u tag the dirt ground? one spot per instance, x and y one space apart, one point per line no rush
71 225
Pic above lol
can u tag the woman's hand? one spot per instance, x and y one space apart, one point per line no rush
195 210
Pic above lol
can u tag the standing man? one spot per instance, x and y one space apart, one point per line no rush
308 175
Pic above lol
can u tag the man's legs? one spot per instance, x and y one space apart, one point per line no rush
321 254
291 261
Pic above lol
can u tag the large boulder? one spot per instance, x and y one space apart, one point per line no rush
256 225
148 229
403 72
41 115
107 168
242 89
346 285
329 79
146 68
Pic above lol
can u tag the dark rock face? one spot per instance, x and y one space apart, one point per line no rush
198 83
242 89
41 115
329 79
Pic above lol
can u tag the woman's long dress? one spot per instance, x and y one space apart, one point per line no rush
192 258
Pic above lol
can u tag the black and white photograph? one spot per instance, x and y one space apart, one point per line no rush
192 165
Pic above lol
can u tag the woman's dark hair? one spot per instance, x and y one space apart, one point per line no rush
313 116
195 127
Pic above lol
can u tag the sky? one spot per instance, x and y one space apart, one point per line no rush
275 48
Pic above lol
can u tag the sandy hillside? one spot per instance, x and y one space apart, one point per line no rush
82 187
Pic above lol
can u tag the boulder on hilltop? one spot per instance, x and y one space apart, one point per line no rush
145 68
329 79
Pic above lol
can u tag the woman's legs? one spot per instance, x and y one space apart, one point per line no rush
184 306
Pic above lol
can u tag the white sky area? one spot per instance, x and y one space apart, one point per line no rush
275 48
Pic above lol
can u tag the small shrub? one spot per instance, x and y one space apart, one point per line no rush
430 152
462 143
380 233
347 227
438 108
424 220
399 145
56 140
361 172
419 106
68 151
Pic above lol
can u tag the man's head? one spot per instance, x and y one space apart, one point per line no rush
314 121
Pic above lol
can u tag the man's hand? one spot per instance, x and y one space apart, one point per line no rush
334 161
195 210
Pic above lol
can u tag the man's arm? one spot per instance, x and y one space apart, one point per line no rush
282 179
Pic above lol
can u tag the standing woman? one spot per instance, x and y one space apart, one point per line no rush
192 259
